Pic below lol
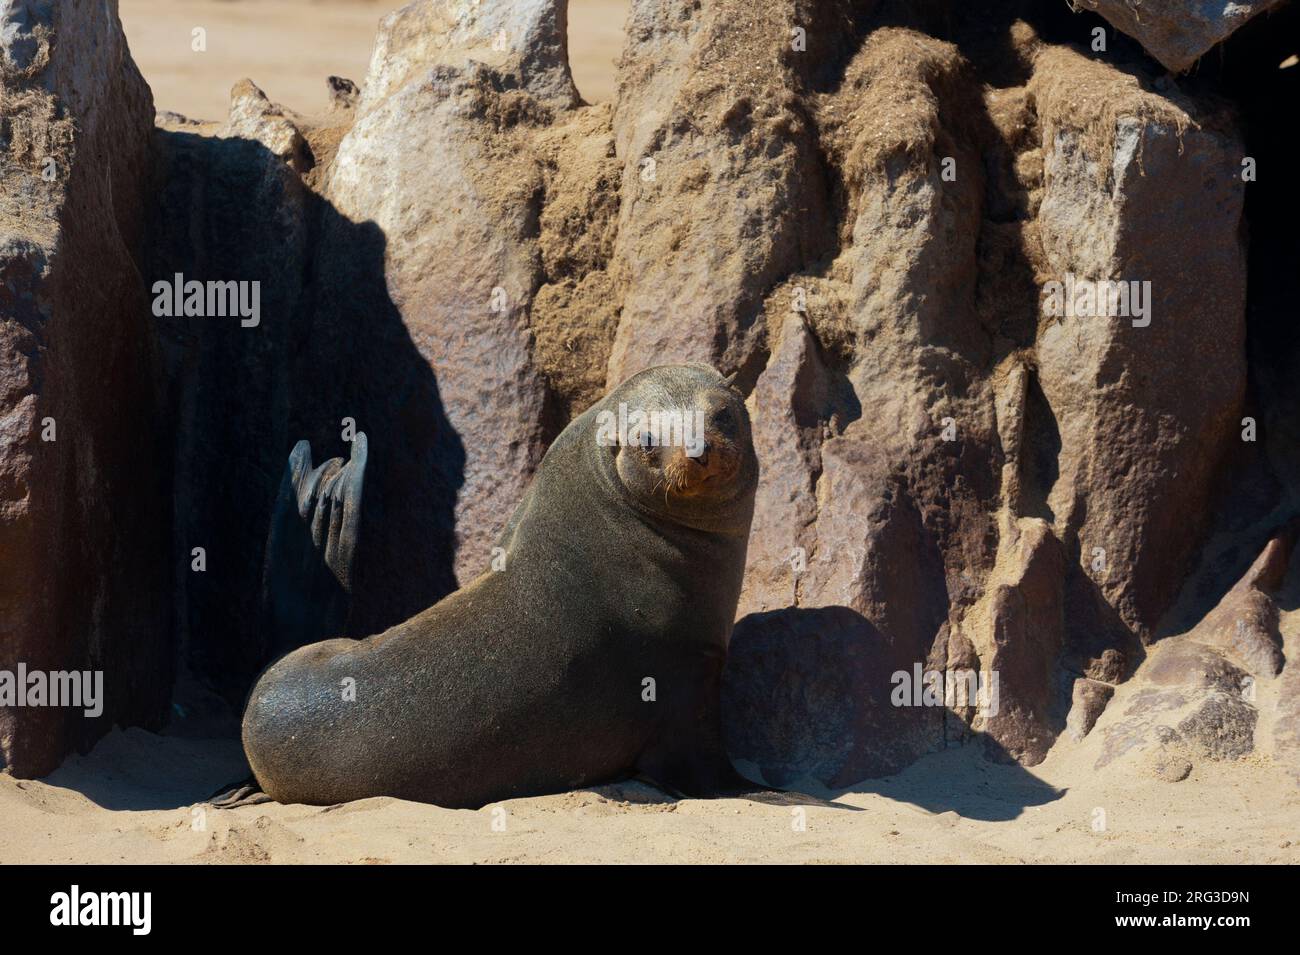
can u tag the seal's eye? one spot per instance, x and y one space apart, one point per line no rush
725 422
645 440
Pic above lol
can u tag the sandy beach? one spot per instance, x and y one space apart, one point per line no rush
138 798
289 47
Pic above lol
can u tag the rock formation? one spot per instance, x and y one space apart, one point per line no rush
85 564
987 289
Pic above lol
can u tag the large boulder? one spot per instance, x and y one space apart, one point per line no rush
819 697
1178 32
874 431
84 495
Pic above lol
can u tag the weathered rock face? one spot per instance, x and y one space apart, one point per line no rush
1140 438
84 510
893 221
1178 32
714 144
862 494
983 480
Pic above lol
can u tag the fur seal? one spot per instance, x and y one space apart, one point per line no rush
593 654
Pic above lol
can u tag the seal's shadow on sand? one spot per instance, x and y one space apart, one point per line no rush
807 705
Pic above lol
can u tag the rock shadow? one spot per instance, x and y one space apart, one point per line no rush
329 355
810 704
355 359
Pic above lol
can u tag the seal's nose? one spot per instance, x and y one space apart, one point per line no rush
692 473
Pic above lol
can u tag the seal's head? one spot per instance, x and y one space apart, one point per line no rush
676 438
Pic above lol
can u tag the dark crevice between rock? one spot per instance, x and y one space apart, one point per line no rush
1040 450
1258 488
330 346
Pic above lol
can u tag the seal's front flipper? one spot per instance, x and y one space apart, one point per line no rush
648 780
687 757
244 793
696 774
307 576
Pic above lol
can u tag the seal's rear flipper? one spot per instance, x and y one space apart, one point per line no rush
244 793
307 576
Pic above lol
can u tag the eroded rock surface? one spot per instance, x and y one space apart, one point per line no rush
1139 449
983 480
715 144
84 561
